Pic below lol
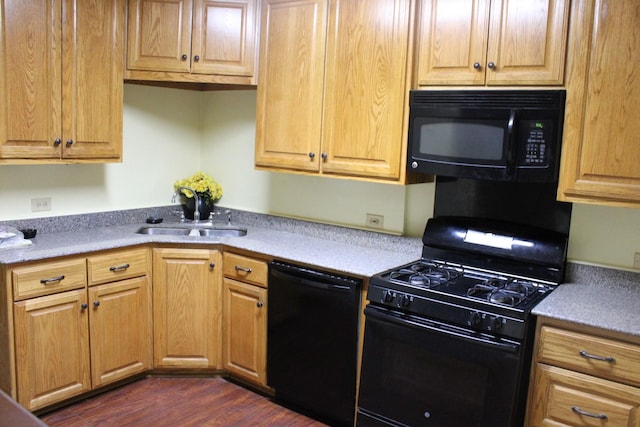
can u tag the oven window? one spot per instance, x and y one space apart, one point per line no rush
422 377
462 140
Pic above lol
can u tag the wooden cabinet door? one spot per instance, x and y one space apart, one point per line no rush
30 81
452 37
92 79
245 330
498 42
120 321
601 154
186 306
290 94
224 37
52 348
527 42
62 80
365 88
159 35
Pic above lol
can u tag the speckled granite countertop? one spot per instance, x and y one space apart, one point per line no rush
596 296
343 250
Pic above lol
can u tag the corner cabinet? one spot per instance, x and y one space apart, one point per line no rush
186 304
61 81
497 42
582 376
245 318
601 153
193 41
333 87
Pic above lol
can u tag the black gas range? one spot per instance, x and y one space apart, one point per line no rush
449 336
486 301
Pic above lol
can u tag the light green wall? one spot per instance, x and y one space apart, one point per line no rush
162 138
169 134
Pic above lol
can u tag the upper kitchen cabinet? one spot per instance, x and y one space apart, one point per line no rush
193 41
497 42
601 153
61 81
333 87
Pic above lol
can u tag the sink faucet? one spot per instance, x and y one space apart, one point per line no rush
196 212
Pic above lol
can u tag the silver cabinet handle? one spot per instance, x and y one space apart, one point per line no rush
588 414
243 269
52 280
119 267
608 359
259 304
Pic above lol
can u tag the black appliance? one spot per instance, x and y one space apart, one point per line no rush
507 135
312 331
448 338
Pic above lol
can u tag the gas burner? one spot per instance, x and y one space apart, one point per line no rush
424 274
499 290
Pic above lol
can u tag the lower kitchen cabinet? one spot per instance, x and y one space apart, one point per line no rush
52 348
68 342
582 378
186 304
245 331
120 330
245 318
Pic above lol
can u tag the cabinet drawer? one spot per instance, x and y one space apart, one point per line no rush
48 277
118 265
604 358
566 398
245 269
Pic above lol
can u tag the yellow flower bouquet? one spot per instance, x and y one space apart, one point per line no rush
208 190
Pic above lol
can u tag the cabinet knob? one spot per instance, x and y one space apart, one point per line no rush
184 57
57 142
96 303
196 58
312 155
69 142
212 265
259 304
84 306
491 65
476 65
324 156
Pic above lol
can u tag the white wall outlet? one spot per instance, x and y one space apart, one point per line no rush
636 260
41 204
375 221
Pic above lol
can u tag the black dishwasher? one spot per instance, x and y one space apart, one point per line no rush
312 341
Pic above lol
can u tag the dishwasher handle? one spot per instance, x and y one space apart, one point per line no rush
313 278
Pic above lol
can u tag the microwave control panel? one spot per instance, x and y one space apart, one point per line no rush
534 135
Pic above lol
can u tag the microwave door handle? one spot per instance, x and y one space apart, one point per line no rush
511 154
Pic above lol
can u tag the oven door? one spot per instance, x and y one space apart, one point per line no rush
417 372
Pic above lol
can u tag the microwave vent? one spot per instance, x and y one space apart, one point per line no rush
497 98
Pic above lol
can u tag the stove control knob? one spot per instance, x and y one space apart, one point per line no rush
495 323
474 319
405 300
388 296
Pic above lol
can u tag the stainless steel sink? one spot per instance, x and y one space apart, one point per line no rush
193 231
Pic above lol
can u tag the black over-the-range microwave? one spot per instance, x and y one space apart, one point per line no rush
501 135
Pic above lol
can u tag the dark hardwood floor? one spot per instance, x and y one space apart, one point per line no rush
177 402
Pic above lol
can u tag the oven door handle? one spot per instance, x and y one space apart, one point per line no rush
439 328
